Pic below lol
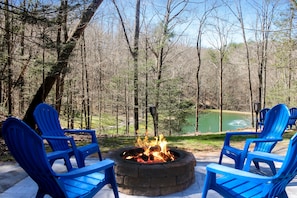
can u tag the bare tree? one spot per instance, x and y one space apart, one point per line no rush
62 61
85 103
172 11
61 39
201 26
9 56
222 31
134 53
291 49
239 16
265 13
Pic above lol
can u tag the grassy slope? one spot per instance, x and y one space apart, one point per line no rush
202 143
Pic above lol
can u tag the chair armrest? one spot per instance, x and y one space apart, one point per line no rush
89 131
266 156
66 138
258 140
79 130
99 166
262 157
255 140
56 137
57 154
243 133
228 171
230 134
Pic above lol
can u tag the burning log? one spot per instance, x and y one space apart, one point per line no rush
155 156
150 151
132 154
144 157
156 148
165 157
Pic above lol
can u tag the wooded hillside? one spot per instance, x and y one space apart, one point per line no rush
118 70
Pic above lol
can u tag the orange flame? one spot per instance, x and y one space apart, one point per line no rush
156 147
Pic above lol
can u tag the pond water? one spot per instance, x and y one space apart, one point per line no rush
209 122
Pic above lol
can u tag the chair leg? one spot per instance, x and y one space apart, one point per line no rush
39 194
221 158
272 167
82 158
256 165
210 177
99 155
52 161
80 162
110 177
270 164
68 164
283 195
239 162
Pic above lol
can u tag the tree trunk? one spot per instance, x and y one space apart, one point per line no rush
221 91
83 115
146 86
134 54
290 54
9 58
160 61
240 19
135 61
88 103
198 50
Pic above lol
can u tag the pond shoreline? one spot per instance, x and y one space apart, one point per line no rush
229 111
209 121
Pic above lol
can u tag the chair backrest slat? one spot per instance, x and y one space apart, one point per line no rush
293 116
48 119
275 124
48 123
262 114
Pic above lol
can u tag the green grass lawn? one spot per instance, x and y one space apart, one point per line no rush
204 143
200 143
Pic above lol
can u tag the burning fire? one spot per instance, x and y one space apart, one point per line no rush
154 151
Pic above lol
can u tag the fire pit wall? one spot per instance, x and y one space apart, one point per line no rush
157 179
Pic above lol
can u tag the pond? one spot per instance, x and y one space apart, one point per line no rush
209 121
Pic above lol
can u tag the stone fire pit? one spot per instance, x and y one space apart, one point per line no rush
156 179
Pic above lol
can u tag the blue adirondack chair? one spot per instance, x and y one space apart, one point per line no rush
262 115
230 182
275 125
28 149
293 117
47 120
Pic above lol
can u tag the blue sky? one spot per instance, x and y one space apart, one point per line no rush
186 28
227 21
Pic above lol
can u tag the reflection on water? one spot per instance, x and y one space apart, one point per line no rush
209 122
